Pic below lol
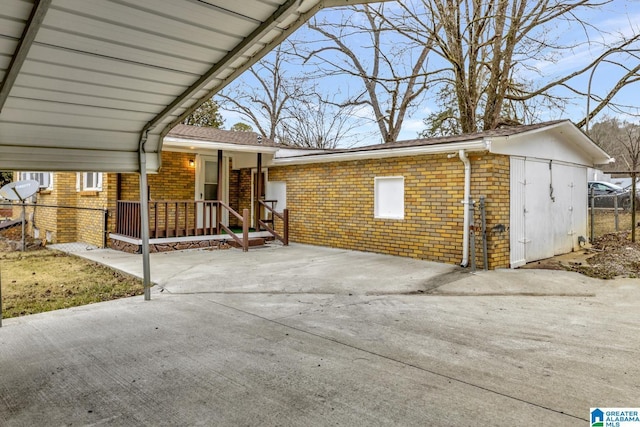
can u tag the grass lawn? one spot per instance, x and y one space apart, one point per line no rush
42 280
605 221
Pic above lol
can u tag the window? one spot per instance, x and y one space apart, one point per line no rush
44 178
389 197
89 181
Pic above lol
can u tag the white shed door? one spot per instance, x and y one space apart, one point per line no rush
548 209
570 206
538 217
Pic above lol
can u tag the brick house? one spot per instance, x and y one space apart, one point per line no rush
404 198
70 207
84 207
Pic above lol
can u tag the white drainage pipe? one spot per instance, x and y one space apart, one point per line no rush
465 204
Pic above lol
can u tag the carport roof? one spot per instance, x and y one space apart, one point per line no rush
86 82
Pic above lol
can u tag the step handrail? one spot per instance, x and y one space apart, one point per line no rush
244 219
284 216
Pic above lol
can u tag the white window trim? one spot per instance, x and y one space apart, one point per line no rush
97 180
397 212
27 175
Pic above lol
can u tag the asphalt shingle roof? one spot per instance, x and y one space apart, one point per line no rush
210 134
505 131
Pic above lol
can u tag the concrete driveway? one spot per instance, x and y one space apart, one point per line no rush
301 335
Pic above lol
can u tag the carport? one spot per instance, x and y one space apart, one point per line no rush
95 85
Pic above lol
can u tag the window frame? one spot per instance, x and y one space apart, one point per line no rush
81 181
29 175
384 194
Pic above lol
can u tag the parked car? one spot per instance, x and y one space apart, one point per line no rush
605 193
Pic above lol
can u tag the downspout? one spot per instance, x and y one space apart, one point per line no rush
465 204
144 217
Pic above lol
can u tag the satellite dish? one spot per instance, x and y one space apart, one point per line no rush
20 190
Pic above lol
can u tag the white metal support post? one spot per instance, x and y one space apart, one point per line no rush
144 221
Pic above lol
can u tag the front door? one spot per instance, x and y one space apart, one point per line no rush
257 193
207 188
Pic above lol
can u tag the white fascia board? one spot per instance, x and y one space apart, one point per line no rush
339 3
198 144
297 152
478 145
574 136
581 139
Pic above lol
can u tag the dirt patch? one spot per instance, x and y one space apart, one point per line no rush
614 255
611 255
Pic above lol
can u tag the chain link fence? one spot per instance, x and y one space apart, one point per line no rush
604 221
69 228
610 213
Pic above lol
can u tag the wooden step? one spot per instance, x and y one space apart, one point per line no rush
253 242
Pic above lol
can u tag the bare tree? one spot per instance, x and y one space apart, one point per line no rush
621 140
261 96
483 54
489 46
631 144
477 59
289 108
362 45
316 123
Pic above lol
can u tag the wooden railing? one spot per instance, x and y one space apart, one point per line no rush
270 224
244 220
180 218
128 219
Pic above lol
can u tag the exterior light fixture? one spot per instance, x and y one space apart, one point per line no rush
192 163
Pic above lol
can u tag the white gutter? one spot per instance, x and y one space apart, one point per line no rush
465 204
173 142
281 159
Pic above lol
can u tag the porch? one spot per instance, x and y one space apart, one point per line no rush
190 224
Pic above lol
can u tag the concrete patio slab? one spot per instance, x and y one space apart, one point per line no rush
346 338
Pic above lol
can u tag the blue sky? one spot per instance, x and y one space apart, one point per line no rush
620 17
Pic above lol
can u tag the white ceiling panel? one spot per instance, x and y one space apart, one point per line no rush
89 84
137 40
8 45
88 100
24 110
94 63
68 86
139 19
153 57
62 137
12 26
98 78
17 8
